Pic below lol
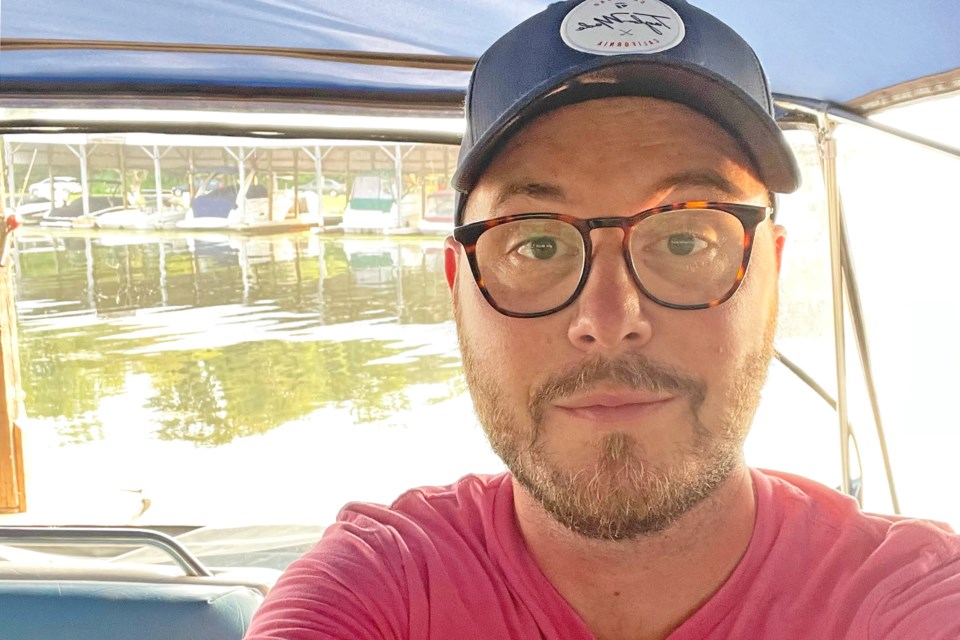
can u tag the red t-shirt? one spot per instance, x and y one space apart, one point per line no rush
447 563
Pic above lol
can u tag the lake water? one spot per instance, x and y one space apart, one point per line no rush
236 379
204 380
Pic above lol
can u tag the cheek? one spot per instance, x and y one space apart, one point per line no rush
740 330
715 343
514 352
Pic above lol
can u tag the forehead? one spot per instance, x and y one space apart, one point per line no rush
615 152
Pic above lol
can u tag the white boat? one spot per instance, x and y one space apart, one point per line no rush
139 219
32 209
72 214
374 207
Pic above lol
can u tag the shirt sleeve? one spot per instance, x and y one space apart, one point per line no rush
926 604
345 588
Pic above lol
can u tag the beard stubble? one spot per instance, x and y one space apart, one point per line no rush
620 495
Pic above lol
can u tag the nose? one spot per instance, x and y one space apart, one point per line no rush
610 312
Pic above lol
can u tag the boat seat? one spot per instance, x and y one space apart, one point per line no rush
86 598
95 610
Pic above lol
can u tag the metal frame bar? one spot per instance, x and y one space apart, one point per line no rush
840 115
807 379
92 535
406 60
843 273
827 147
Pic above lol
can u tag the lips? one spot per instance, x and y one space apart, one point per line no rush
614 405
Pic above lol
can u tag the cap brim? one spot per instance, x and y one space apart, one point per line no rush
677 81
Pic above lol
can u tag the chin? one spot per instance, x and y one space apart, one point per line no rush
618 494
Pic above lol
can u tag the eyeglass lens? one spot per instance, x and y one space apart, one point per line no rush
685 257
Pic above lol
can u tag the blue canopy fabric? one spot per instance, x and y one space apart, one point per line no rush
819 49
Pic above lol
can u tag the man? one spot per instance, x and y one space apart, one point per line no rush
614 280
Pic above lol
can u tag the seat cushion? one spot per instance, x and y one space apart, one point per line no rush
81 610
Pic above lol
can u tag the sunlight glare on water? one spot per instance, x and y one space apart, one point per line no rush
237 381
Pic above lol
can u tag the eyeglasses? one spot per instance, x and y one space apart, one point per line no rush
688 255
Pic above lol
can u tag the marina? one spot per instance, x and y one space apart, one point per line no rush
92 181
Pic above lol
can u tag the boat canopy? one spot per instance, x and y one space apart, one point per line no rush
403 52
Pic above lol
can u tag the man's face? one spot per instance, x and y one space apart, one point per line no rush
618 415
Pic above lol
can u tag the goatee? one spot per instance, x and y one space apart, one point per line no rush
620 494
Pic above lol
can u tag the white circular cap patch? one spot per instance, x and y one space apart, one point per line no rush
612 27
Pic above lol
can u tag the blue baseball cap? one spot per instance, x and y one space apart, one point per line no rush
581 50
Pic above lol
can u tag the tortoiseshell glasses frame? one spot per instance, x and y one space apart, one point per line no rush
749 216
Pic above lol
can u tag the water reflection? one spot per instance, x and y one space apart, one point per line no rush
236 336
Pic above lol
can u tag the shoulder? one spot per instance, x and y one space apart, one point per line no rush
418 522
461 508
470 491
890 574
377 565
799 501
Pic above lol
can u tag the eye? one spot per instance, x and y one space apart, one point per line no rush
538 248
684 244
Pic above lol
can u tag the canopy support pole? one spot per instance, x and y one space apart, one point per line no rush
827 117
827 147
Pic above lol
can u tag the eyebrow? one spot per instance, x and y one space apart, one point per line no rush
708 178
699 178
539 190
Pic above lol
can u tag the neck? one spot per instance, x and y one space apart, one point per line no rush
646 587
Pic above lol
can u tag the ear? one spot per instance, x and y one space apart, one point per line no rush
451 260
779 239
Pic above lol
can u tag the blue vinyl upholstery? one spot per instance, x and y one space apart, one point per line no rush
96 610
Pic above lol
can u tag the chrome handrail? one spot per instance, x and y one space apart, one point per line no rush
107 535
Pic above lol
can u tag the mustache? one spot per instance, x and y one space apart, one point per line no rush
633 371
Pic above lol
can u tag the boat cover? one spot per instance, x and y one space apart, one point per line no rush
843 52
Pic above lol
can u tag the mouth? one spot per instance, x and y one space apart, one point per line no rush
614 407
